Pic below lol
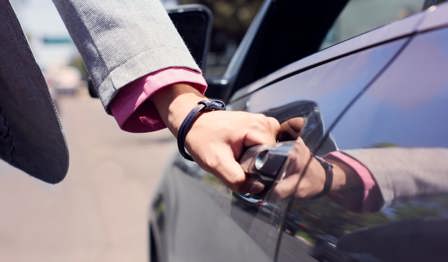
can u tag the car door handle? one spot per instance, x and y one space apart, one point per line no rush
264 162
265 165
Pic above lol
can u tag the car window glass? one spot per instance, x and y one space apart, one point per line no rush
394 204
360 16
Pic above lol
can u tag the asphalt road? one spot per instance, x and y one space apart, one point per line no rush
99 212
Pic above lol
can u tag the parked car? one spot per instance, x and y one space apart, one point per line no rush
367 76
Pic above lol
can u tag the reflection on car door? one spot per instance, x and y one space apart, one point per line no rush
333 89
397 131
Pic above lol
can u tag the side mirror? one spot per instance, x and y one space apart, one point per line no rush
194 24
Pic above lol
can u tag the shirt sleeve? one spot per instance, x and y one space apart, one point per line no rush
132 108
371 199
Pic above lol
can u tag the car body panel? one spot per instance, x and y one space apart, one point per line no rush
203 227
396 114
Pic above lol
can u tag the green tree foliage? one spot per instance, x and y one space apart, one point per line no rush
230 16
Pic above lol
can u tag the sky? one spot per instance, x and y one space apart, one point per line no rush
39 18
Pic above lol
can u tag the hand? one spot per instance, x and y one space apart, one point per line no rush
304 175
305 178
216 138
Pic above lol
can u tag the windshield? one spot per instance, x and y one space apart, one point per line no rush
360 16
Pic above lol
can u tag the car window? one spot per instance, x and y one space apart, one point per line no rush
360 16
291 30
395 205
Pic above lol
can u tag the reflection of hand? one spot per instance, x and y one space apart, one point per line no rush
304 181
291 129
216 138
297 182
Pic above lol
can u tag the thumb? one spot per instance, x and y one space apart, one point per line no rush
259 138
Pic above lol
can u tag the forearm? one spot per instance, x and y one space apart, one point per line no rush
347 188
122 41
354 186
403 173
174 103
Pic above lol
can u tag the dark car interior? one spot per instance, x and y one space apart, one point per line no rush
281 34
280 38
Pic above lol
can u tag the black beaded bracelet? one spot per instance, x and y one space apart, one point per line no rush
203 106
328 176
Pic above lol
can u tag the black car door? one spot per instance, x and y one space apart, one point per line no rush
201 219
397 131
209 223
319 94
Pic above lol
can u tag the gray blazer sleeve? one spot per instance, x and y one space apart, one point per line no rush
121 41
406 172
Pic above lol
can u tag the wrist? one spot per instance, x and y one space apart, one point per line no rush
347 188
339 176
344 177
174 103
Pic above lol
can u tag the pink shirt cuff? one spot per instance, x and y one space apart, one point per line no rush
132 109
369 200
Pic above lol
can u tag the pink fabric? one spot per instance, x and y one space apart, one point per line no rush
363 173
132 109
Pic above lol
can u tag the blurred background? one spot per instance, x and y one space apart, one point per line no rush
99 212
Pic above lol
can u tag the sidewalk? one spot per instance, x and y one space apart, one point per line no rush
99 212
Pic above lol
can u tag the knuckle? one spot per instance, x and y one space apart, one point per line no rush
236 181
212 162
274 124
260 116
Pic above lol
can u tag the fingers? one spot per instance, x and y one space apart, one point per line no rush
228 169
298 156
258 138
295 180
217 139
304 175
264 133
286 187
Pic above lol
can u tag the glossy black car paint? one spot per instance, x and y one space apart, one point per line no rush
386 87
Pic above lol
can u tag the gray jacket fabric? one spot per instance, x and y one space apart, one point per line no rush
121 41
404 173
